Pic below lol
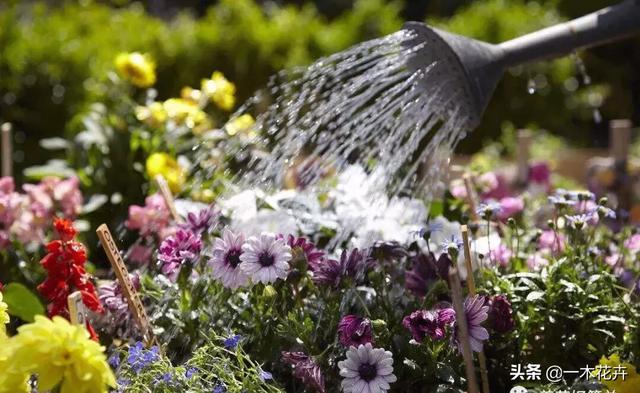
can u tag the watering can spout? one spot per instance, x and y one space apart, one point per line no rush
476 67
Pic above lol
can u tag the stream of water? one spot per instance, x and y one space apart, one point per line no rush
363 105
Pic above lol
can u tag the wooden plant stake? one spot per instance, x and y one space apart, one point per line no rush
471 285
77 310
463 331
619 142
522 151
165 191
7 150
130 293
471 196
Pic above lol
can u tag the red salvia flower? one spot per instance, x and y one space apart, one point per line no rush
64 264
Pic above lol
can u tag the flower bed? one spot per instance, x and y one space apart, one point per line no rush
297 290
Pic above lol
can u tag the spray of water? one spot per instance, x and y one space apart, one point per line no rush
366 104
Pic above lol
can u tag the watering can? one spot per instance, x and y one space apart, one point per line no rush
473 68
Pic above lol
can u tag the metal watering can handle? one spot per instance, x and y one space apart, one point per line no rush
602 26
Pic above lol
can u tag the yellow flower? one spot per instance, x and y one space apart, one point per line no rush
4 318
191 94
220 91
185 112
241 125
163 164
153 114
60 354
137 68
607 370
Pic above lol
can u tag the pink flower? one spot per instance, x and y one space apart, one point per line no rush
150 219
66 193
140 254
501 255
457 189
633 243
540 173
510 206
551 241
41 202
7 185
536 262
614 259
493 186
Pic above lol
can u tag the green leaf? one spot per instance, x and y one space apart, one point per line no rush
437 208
22 303
536 295
608 318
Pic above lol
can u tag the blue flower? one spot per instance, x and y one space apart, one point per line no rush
166 378
188 373
455 243
232 341
114 360
579 221
488 210
219 388
606 212
265 375
140 358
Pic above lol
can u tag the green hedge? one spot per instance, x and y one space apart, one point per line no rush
51 58
48 51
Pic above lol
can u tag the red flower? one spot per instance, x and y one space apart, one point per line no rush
64 264
65 229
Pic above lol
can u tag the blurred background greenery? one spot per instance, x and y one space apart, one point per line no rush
53 55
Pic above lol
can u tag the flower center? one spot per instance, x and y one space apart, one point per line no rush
233 258
265 259
368 371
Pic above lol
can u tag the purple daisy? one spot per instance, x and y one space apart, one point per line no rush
265 258
305 369
425 272
226 259
354 330
432 323
354 264
183 247
367 369
112 297
501 314
204 221
476 312
301 246
327 272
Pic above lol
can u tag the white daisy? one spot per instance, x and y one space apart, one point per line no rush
226 258
367 370
265 258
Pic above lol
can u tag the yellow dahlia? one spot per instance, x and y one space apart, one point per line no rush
190 94
60 354
165 165
242 125
4 318
220 91
608 366
185 112
153 114
137 68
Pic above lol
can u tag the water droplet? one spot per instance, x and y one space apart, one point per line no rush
597 116
531 86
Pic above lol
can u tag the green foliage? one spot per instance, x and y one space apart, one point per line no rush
22 303
52 59
211 366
